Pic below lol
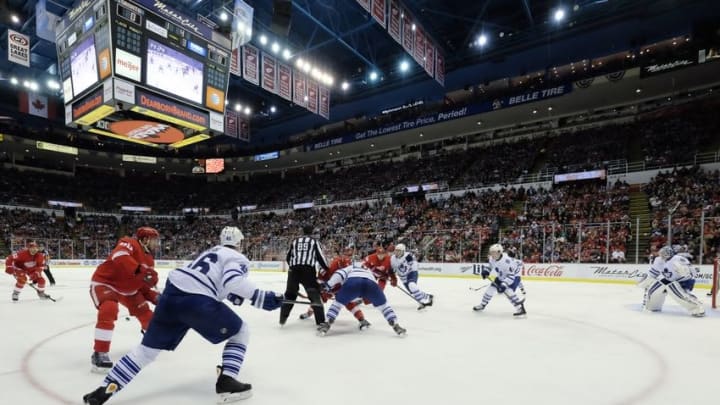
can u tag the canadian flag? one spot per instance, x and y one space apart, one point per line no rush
36 104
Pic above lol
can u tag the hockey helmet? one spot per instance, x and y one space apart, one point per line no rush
231 236
147 232
400 249
495 251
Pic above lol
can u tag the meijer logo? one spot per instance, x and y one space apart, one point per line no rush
551 270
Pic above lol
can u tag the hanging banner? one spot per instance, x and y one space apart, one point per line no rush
243 128
36 104
379 12
241 33
325 103
299 93
419 53
408 39
394 25
250 64
365 4
312 94
269 76
440 68
284 81
429 58
45 22
18 48
231 123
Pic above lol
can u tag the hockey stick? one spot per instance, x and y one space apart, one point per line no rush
408 294
312 304
480 288
46 295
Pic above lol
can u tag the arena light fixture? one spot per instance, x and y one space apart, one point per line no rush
15 19
223 16
53 84
286 54
373 76
482 40
263 40
404 66
14 81
273 110
275 47
345 86
238 107
247 111
559 14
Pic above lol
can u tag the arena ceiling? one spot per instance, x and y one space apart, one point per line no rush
345 40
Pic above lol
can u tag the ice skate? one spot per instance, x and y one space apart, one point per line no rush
100 395
399 329
42 295
428 303
306 315
479 308
323 329
101 363
364 324
15 296
231 390
520 311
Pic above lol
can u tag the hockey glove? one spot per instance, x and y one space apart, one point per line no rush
499 286
148 275
325 287
267 300
235 299
393 281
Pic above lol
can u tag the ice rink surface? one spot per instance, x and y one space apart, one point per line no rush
580 344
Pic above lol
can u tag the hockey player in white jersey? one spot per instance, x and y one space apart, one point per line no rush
192 299
507 280
676 279
656 268
405 266
357 282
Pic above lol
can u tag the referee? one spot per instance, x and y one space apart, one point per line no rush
304 254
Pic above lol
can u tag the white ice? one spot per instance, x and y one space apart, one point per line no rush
580 344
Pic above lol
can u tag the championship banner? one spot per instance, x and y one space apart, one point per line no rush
379 12
299 92
235 62
269 77
324 109
429 58
45 21
284 81
408 37
312 94
251 63
365 4
242 24
419 53
18 48
231 123
440 68
394 25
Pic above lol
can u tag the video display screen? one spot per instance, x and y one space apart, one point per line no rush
174 72
214 165
83 65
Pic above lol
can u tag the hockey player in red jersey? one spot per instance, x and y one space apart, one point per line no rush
27 263
126 277
379 264
339 262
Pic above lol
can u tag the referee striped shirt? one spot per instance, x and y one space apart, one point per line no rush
306 251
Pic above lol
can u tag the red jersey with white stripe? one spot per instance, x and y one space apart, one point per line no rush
23 260
118 271
380 267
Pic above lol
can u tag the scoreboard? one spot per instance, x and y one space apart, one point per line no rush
142 56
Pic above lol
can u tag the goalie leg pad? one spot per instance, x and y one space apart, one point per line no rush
686 299
655 297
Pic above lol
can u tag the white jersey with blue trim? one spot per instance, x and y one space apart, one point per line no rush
506 267
215 273
657 267
678 268
403 265
351 271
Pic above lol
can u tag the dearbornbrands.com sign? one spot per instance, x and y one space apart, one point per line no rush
164 109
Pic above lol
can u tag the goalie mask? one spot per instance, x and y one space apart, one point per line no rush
399 250
666 252
495 251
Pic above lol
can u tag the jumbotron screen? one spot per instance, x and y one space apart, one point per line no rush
148 44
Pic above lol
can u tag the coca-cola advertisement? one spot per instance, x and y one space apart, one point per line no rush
543 270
